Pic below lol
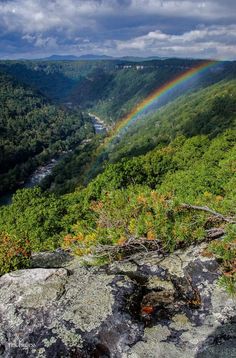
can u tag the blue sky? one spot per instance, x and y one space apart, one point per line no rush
190 28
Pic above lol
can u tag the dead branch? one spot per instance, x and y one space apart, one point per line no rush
128 248
208 210
136 247
215 233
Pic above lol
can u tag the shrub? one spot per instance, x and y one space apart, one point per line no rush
135 213
14 253
225 251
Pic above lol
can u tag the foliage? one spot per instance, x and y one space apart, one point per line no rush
185 153
111 87
137 198
69 172
34 217
14 253
32 131
225 250
198 114
188 168
137 212
208 111
197 171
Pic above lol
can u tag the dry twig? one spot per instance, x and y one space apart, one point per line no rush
136 247
128 248
208 210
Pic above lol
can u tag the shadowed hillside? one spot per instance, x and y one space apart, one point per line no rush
33 131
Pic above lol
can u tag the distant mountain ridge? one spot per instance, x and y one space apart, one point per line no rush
92 57
77 58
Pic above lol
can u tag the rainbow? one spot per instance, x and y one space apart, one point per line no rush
143 106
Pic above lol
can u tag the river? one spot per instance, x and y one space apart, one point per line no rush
44 170
99 125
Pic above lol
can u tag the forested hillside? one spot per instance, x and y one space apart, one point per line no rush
209 111
110 88
168 180
181 191
32 131
152 197
39 118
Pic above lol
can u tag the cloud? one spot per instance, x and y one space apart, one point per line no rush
44 15
115 26
216 41
41 42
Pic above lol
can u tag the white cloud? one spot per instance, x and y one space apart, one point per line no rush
30 16
217 40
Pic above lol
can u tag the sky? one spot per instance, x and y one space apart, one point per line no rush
167 28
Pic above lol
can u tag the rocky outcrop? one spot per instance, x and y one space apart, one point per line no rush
148 308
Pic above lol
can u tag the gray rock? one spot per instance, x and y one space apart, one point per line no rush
169 307
56 259
201 321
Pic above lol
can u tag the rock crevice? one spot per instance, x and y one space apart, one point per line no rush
169 307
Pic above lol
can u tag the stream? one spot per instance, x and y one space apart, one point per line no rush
44 170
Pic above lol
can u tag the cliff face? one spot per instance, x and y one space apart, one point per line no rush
151 307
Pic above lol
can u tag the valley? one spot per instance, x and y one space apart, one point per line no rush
42 172
117 179
123 188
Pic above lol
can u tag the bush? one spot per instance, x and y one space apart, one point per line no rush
14 253
225 251
137 212
36 217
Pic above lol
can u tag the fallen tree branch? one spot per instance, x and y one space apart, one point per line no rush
128 248
135 246
142 246
215 233
208 210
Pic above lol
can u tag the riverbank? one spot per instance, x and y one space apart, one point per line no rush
45 170
34 179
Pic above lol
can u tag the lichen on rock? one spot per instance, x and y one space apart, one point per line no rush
141 309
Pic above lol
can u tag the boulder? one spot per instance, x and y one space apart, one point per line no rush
158 307
56 259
